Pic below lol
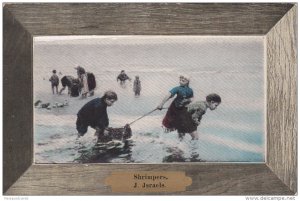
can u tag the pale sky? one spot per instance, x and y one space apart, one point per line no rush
213 53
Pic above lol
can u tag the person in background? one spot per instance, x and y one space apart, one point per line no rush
137 87
82 76
91 79
123 77
177 111
80 70
94 114
54 82
73 85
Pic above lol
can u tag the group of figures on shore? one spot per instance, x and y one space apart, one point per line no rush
85 83
183 115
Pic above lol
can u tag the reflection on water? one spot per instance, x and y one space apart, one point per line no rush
113 151
121 152
177 155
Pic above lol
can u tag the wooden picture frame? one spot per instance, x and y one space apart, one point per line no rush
276 22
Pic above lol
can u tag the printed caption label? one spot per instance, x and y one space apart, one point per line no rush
148 181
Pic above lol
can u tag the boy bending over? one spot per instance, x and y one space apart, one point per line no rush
198 109
94 114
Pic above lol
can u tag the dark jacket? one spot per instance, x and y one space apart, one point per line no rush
94 113
122 77
54 80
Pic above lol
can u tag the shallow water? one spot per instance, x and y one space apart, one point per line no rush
226 134
232 133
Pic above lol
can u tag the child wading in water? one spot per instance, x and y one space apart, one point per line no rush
137 87
54 81
197 110
176 116
94 114
123 77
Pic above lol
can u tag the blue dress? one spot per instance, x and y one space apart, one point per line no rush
177 112
182 93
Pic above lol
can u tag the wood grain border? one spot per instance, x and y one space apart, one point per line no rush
277 22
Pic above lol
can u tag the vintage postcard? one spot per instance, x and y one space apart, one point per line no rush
149 99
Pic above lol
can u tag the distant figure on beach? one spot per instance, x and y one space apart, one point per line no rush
73 85
80 70
54 82
123 77
83 81
197 110
94 114
177 111
91 83
137 87
87 80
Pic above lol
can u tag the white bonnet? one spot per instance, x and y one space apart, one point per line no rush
186 76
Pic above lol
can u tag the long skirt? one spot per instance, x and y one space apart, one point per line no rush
85 87
179 119
91 81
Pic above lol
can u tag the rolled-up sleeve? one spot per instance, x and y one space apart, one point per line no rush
174 91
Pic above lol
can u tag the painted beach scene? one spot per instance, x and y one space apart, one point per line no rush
148 99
